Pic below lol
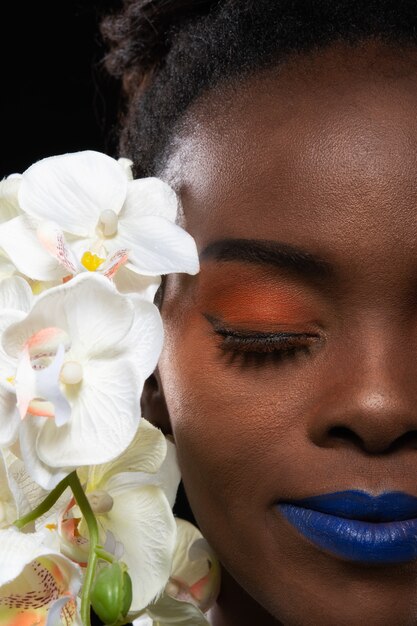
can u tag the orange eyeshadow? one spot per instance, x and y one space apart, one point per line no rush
245 297
249 303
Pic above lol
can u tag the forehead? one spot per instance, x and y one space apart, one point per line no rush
321 150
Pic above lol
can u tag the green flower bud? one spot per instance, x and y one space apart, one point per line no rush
111 595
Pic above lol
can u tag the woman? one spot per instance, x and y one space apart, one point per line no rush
288 378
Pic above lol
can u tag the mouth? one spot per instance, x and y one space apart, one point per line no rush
357 526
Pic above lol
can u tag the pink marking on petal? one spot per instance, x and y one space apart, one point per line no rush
68 530
119 258
41 408
199 589
53 240
46 341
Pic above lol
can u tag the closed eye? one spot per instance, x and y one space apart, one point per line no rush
259 347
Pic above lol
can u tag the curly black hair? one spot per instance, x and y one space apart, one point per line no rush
168 52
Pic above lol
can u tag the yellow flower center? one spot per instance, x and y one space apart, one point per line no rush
91 261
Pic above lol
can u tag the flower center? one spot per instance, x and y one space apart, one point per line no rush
100 501
91 261
71 373
108 222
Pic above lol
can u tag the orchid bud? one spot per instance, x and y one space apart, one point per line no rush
111 595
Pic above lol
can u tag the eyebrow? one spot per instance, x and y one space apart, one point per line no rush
265 252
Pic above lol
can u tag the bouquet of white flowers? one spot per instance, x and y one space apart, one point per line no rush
87 486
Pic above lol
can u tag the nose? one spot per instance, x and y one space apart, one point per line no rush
370 399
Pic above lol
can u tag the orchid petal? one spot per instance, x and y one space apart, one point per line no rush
146 336
63 611
30 569
18 549
143 620
7 268
27 493
169 474
98 317
167 477
52 238
167 610
88 308
75 188
9 204
143 521
195 569
9 420
18 238
8 508
190 571
130 282
157 246
9 416
15 293
148 196
45 476
104 417
25 383
146 453
48 388
114 263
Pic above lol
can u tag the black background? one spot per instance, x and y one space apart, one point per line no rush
55 95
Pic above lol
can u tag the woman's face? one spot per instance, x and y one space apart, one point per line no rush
290 362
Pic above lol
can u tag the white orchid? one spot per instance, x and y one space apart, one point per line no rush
82 249
193 585
76 362
16 254
91 215
195 575
132 498
38 585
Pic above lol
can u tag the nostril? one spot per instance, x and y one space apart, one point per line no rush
345 434
406 440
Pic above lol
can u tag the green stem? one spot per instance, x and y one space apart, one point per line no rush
103 554
83 503
45 505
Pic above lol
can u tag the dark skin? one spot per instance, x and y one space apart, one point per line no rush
323 157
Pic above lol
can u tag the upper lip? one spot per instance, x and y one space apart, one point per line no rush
360 505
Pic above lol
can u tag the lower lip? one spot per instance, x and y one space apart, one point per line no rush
355 540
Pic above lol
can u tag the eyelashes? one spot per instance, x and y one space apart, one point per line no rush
257 348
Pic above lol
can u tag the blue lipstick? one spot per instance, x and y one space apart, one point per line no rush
358 526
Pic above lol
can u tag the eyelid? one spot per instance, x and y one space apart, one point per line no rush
242 329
